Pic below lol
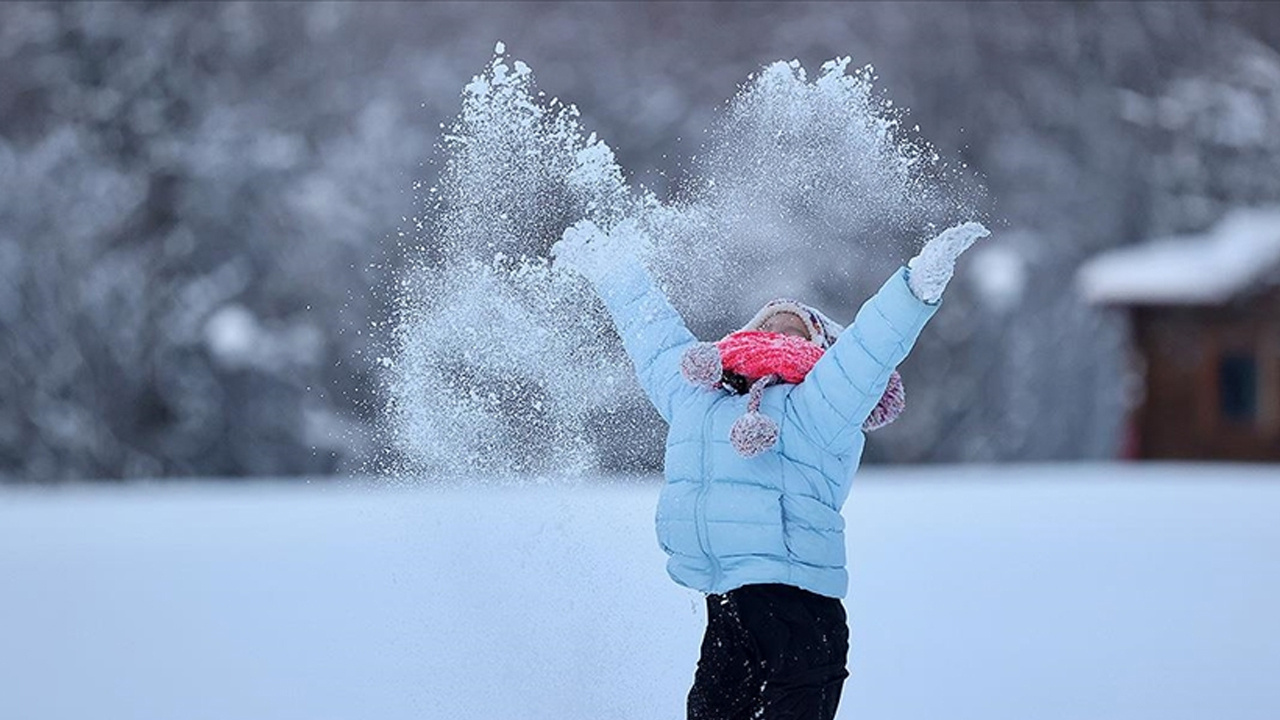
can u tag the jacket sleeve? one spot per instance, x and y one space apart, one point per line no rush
842 389
652 331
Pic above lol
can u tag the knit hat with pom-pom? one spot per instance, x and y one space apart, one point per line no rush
748 361
823 331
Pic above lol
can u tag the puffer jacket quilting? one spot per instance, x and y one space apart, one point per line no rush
725 520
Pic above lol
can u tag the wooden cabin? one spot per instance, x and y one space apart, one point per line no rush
1205 316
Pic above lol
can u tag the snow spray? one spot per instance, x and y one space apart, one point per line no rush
500 366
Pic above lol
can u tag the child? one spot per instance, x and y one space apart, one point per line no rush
757 468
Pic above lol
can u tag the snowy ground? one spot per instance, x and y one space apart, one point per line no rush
1087 592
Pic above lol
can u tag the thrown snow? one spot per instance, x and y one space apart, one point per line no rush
1090 592
1208 269
496 361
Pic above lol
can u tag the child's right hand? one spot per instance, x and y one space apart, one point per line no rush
585 249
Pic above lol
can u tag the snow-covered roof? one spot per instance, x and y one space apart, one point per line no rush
1206 269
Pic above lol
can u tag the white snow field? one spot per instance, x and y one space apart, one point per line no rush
1019 592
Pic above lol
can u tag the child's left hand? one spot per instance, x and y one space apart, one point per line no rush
931 270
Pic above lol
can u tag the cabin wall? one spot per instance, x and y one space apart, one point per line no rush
1212 380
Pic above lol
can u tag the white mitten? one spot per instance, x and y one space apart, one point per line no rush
588 251
931 270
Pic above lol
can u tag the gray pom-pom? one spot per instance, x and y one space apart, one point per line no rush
753 433
701 366
891 405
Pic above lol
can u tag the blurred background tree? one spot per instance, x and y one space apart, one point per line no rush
201 205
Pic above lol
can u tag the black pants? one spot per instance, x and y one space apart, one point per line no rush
774 652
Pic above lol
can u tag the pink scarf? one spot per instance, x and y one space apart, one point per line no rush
748 361
754 354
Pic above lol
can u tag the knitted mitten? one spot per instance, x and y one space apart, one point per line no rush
931 270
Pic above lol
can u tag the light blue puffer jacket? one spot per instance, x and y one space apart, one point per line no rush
726 520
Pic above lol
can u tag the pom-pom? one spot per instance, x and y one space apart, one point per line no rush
753 433
701 365
890 406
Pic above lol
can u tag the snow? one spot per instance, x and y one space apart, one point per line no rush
797 186
1207 269
1050 592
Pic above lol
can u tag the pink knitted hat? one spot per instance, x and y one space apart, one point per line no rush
748 361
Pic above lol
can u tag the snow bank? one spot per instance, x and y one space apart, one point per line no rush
1098 592
1238 252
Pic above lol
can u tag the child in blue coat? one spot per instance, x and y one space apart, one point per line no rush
757 526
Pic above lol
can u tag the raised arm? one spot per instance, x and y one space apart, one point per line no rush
653 333
845 385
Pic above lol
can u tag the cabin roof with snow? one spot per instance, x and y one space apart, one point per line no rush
1240 252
